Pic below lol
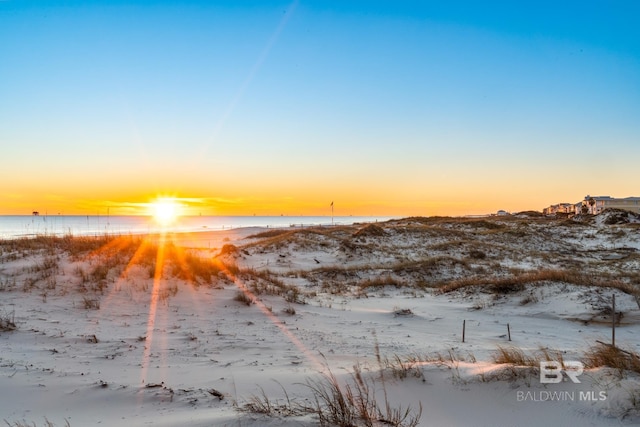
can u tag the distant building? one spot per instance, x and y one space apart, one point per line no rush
560 208
596 204
577 208
502 213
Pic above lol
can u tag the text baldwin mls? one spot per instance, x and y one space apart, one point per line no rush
550 396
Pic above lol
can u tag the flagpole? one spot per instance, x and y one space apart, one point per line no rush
331 213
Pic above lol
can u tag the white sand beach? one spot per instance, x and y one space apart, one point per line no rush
183 330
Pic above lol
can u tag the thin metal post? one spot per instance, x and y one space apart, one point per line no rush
613 320
463 329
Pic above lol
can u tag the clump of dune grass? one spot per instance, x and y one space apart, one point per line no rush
289 310
354 404
262 404
349 404
612 357
228 249
243 298
266 282
514 356
531 298
8 322
402 368
91 303
193 268
399 311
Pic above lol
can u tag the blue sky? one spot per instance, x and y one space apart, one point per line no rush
388 107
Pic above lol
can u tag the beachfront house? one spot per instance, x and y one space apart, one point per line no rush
596 204
577 208
560 208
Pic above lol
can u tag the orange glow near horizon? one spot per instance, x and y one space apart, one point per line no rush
167 213
454 199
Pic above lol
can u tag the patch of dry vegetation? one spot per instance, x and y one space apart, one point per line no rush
266 282
8 322
515 356
379 282
90 265
243 298
370 230
352 403
303 238
613 357
268 234
517 282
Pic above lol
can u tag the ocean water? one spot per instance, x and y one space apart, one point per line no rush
16 226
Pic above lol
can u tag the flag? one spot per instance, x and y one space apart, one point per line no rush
331 204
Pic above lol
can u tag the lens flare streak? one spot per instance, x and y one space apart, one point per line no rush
274 319
153 307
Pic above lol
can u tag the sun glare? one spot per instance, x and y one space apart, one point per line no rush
165 211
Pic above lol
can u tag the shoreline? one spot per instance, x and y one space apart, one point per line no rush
16 227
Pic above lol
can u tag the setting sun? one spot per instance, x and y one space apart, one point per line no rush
165 211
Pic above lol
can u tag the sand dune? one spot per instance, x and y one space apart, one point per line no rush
212 328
